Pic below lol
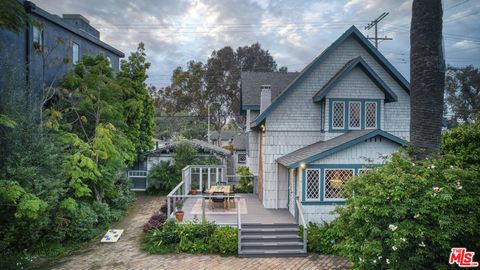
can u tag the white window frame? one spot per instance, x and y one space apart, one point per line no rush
238 158
319 186
324 184
362 169
110 63
359 115
333 114
75 57
376 115
37 31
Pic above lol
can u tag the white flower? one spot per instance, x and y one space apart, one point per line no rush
379 257
437 189
432 166
374 261
416 216
421 244
392 227
459 186
394 248
403 239
413 163
388 261
451 166
360 259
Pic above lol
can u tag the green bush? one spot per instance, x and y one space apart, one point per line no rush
408 215
321 238
191 238
245 184
224 241
162 178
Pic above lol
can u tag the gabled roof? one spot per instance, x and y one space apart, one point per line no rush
225 135
351 65
351 32
323 149
252 81
239 142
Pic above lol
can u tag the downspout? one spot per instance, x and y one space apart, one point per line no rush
276 195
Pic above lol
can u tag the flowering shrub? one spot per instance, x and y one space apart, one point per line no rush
155 222
408 215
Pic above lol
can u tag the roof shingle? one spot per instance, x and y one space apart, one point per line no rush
252 81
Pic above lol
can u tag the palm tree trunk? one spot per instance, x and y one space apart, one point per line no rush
427 75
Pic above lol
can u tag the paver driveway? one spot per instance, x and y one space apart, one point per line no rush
127 253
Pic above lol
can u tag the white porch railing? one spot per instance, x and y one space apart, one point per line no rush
302 221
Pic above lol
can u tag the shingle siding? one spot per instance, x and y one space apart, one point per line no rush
297 122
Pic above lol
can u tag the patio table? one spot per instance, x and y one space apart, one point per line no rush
220 189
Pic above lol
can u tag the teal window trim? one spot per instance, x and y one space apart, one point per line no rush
322 200
345 111
360 115
377 120
346 118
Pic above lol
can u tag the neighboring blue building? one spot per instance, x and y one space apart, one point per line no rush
36 57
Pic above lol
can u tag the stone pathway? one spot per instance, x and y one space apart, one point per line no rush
127 253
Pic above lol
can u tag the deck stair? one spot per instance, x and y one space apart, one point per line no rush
271 240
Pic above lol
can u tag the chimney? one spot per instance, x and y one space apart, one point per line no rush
81 23
265 96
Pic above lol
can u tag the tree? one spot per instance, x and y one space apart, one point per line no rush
427 73
140 111
462 95
12 16
217 83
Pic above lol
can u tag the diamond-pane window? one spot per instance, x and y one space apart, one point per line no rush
370 114
354 114
338 112
334 182
242 158
312 185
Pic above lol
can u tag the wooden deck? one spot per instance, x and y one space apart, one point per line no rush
251 208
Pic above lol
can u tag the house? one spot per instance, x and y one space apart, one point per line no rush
47 48
224 138
163 152
239 150
309 132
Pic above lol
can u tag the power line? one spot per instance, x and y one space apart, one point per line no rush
374 23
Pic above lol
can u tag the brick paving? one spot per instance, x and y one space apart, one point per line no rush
127 253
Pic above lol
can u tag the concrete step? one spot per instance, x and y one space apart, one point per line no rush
273 253
271 245
266 226
269 231
270 238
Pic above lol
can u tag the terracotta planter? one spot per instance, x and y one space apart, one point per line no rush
194 191
179 216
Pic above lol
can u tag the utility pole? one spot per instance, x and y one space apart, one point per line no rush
375 23
208 120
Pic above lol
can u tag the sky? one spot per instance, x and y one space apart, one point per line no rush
294 32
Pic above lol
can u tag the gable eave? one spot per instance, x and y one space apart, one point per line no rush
352 31
347 145
390 95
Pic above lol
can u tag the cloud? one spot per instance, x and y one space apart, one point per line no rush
464 44
294 31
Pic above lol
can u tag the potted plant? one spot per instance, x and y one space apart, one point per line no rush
194 189
179 213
